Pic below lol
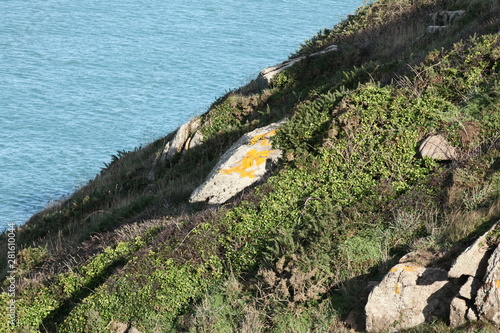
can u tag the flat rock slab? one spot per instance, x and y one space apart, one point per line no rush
409 295
242 165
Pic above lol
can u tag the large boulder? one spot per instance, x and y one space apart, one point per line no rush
242 165
488 296
409 295
436 147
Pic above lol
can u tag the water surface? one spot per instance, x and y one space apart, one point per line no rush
80 80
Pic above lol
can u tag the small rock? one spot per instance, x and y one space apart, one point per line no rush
409 295
470 288
438 148
133 330
117 327
473 260
471 315
458 312
242 165
488 296
434 29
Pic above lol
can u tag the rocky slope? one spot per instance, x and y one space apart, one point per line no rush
340 190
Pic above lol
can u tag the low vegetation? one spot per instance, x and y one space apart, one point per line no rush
351 196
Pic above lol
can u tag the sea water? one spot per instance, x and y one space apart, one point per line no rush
81 80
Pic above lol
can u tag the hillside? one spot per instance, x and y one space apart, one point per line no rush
348 191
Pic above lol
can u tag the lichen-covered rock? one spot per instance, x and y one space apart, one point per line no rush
409 295
245 163
438 148
473 261
182 135
488 296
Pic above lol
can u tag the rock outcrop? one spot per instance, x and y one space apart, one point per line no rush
446 17
186 137
410 295
265 76
183 139
242 165
438 148
442 20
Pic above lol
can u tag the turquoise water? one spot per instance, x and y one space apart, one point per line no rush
80 80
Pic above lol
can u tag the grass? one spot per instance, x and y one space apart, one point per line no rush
294 253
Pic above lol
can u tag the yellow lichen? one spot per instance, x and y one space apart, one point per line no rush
498 283
253 157
405 268
396 289
257 138
265 143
